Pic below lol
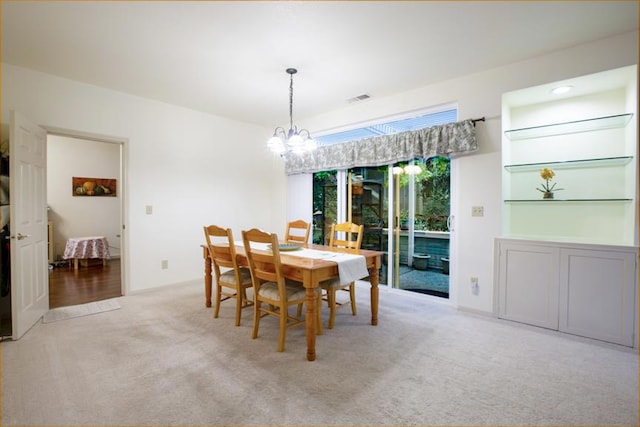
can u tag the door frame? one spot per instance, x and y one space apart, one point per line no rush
124 234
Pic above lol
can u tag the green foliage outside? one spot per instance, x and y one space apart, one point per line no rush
432 196
433 186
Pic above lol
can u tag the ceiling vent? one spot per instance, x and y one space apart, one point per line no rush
359 98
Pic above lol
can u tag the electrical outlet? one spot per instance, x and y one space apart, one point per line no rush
149 210
474 286
165 264
477 210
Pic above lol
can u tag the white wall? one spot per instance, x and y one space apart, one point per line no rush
300 190
476 177
193 168
82 216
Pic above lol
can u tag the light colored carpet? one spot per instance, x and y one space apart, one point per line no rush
70 312
163 360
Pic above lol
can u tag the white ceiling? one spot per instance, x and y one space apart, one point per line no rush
229 58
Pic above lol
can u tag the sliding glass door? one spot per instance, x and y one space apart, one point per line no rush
421 252
404 209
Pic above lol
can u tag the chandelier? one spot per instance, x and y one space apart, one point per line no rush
293 140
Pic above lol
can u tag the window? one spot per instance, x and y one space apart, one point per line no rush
390 127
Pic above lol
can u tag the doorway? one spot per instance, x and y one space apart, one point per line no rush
73 214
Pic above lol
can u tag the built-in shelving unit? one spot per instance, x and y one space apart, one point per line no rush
589 140
569 262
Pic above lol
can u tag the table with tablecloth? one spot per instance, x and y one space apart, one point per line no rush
86 248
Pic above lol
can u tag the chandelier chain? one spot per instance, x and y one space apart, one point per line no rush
291 102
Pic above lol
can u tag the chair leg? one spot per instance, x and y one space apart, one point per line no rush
256 319
283 327
331 297
239 304
352 296
216 310
299 312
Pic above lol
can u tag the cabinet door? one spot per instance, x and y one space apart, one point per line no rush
597 294
528 284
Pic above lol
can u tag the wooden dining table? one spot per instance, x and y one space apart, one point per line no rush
310 272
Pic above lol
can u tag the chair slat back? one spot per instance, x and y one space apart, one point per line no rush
297 231
350 236
221 246
265 265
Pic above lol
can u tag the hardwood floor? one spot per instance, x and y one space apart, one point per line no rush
87 284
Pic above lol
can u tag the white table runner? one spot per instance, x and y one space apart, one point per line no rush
350 267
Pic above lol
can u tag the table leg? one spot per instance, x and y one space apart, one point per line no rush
374 277
207 277
319 330
311 318
75 264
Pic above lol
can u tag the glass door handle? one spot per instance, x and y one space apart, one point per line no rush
449 221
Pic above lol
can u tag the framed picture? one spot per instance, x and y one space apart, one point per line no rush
94 187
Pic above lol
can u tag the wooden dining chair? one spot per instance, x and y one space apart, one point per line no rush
297 231
232 283
346 235
269 284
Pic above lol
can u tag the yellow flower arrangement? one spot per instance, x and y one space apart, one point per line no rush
548 174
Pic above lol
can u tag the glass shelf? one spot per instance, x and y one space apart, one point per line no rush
607 161
597 123
564 200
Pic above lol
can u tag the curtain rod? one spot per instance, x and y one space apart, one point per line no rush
481 119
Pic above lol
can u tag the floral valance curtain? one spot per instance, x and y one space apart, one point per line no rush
443 140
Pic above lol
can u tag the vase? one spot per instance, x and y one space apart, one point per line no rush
547 195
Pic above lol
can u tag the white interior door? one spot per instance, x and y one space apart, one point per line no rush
28 216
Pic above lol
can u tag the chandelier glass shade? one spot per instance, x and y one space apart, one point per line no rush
294 140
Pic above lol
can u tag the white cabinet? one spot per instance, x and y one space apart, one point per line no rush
528 284
586 290
597 294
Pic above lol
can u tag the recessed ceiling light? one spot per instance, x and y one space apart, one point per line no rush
561 89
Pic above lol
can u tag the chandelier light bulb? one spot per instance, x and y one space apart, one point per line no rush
295 141
276 145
